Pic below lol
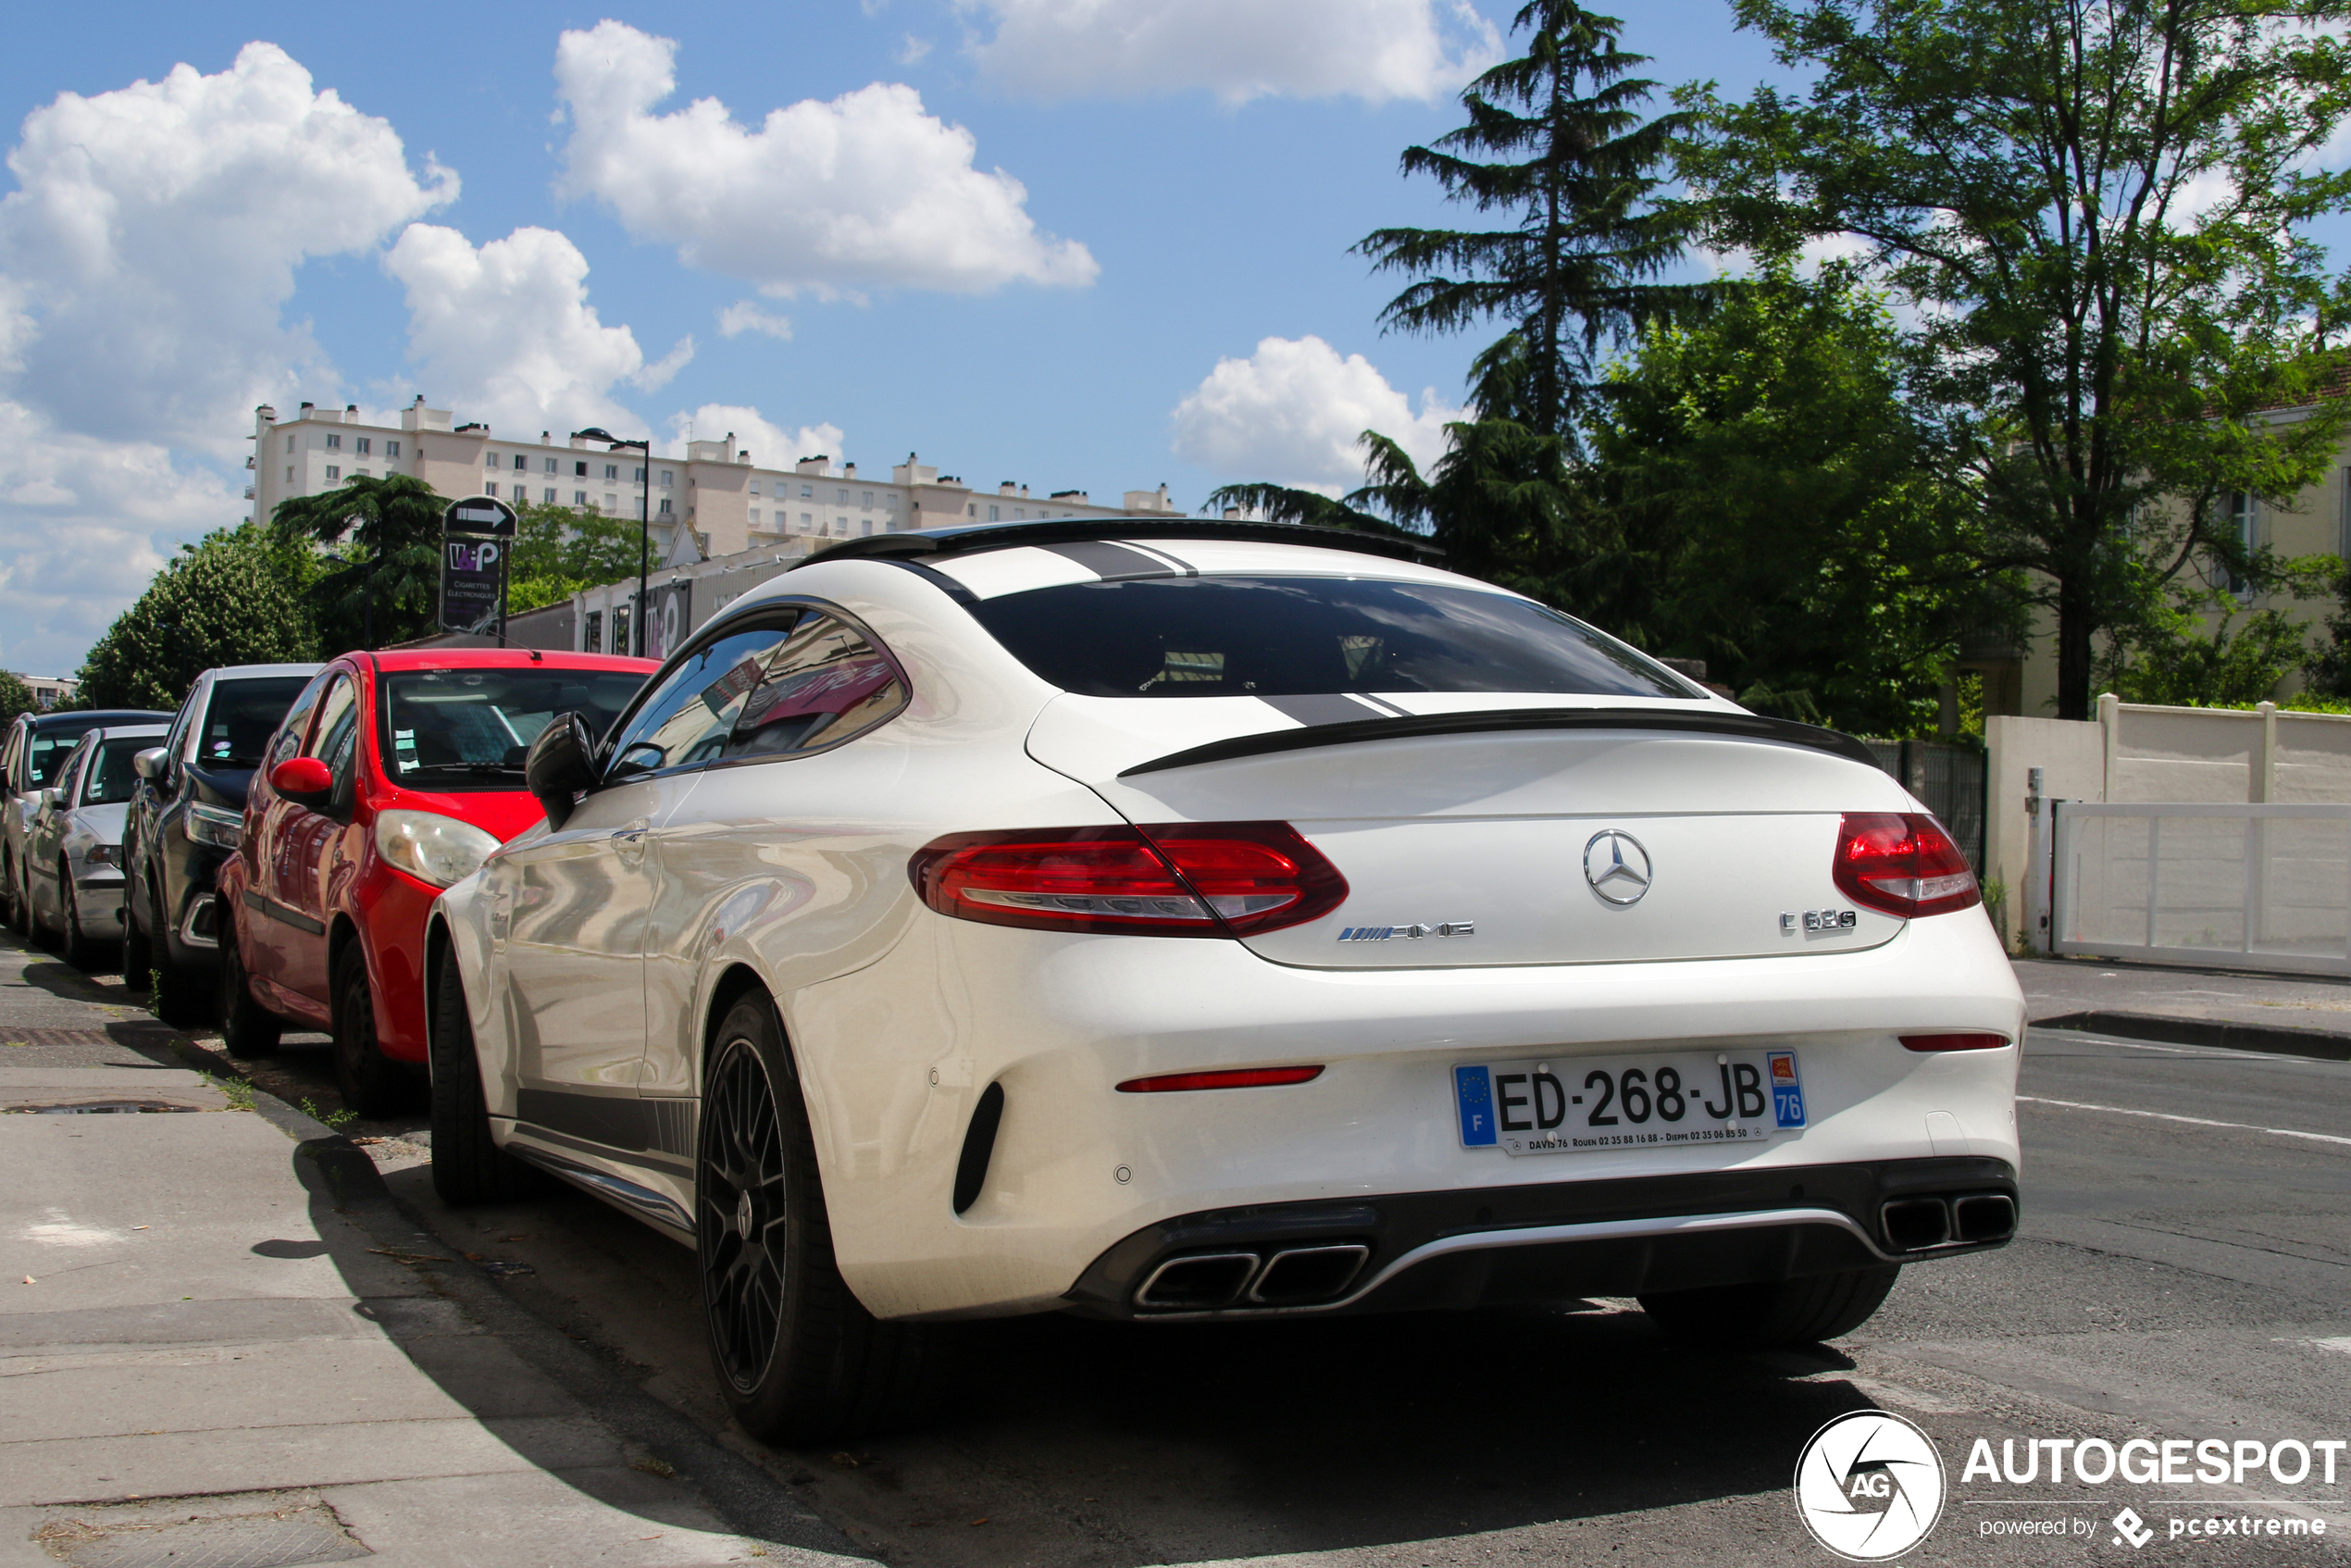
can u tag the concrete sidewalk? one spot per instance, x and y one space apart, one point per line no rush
2302 1016
218 1338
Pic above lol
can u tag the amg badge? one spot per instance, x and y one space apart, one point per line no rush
1384 933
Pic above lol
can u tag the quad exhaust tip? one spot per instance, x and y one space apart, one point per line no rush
1294 1277
1919 1225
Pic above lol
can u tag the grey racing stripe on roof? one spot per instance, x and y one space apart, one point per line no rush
1111 561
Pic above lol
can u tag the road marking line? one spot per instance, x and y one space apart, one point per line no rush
2192 1121
2340 1347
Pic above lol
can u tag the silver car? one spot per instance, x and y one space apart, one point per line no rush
73 845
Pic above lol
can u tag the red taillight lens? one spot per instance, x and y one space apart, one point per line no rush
1955 1043
1180 879
1239 1077
1902 864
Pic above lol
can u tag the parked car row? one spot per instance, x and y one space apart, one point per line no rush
1160 920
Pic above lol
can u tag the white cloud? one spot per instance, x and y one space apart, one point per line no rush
911 50
745 317
84 523
1292 414
770 445
864 192
1375 50
152 243
505 332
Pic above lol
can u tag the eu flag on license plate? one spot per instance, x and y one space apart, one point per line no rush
1473 1088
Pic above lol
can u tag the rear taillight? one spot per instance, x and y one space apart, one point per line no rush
1903 866
1175 879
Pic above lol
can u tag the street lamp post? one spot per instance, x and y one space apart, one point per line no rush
644 520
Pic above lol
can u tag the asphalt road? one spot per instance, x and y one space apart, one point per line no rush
2181 1273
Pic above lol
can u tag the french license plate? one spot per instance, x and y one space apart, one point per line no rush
1569 1106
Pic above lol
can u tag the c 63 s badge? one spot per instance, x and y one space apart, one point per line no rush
1413 933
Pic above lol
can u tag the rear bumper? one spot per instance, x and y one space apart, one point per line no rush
1491 1246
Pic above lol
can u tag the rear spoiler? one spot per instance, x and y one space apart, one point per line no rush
1740 727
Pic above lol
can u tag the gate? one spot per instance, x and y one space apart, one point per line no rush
1950 780
2239 886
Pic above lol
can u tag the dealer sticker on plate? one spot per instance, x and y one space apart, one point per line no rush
1571 1105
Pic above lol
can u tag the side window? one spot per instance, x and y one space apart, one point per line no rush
823 684
298 722
180 721
8 757
686 720
68 782
338 716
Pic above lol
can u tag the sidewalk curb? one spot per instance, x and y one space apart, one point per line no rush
2276 1038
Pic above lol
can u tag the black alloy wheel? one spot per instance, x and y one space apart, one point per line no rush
247 1028
78 950
138 953
373 1085
799 1358
180 993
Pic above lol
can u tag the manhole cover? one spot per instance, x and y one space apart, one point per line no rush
94 1108
151 1536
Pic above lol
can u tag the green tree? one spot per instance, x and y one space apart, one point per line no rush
2102 214
224 600
2190 651
1556 146
387 532
1779 509
16 697
557 552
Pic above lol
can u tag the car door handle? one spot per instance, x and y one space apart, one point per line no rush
628 843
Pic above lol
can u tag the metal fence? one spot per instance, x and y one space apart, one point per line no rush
1949 780
2243 887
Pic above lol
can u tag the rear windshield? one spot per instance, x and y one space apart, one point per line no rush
242 717
109 779
1289 637
468 729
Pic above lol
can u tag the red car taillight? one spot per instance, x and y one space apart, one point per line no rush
1234 1078
1956 1042
1175 879
1903 866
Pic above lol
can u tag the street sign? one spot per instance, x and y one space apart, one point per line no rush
670 620
479 514
473 579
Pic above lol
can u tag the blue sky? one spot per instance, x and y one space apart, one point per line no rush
497 208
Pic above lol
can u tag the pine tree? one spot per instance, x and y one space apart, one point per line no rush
388 590
1576 270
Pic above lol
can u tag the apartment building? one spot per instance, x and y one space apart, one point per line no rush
715 501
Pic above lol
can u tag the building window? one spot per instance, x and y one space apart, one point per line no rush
866 524
549 495
593 641
754 487
641 476
334 443
843 496
358 473
667 477
612 502
579 470
290 443
333 472
362 446
806 522
890 502
867 502
391 449
1020 511
842 523
612 472
490 460
579 498
754 516
551 466
2242 508
665 507
490 489
992 515
290 473
620 629
805 490
522 463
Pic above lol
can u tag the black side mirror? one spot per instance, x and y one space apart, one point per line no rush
560 763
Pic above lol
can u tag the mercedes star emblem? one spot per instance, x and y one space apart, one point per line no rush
1617 866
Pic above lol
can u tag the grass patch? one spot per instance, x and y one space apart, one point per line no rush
238 1092
335 1119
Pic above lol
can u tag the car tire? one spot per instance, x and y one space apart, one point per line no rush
1788 1311
798 1359
138 953
19 918
178 993
373 1085
467 1165
77 948
247 1028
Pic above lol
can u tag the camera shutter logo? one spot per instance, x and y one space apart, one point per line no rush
1870 1486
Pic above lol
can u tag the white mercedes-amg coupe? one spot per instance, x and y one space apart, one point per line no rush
1184 921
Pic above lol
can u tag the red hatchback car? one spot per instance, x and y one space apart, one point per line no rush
392 777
